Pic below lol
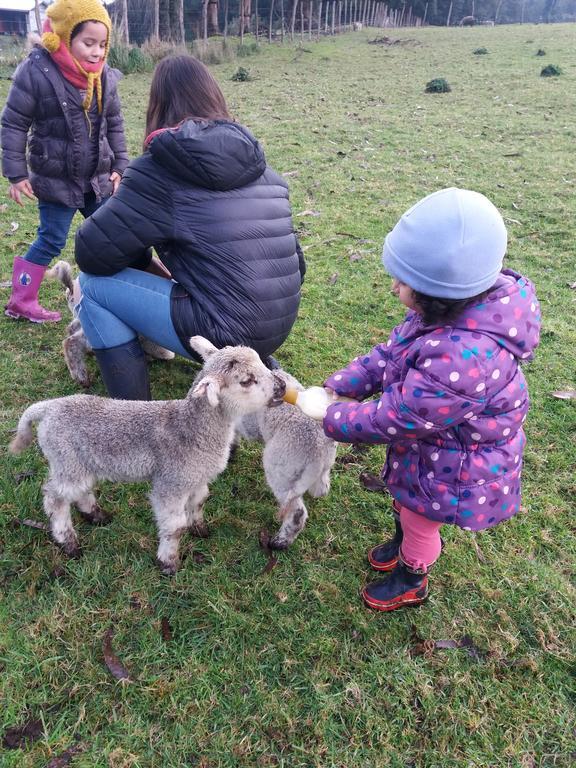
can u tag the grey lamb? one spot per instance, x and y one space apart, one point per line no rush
75 345
180 445
297 459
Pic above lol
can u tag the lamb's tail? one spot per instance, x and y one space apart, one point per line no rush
24 434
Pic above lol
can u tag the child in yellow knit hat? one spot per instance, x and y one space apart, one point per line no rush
62 138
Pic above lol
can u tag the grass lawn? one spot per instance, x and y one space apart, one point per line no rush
235 667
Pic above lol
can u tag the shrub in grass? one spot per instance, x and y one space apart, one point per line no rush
480 51
129 60
242 75
438 85
158 49
540 52
247 49
551 71
139 61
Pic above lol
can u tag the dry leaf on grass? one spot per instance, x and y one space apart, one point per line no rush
332 279
422 647
115 666
60 761
165 629
566 394
264 539
20 735
308 212
30 524
19 476
372 482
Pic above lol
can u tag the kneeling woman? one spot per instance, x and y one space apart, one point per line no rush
220 220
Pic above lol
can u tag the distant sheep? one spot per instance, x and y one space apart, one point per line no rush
468 21
179 445
297 459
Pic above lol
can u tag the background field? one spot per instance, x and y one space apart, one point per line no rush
287 668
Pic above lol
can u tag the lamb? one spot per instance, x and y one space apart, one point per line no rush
297 459
180 445
76 346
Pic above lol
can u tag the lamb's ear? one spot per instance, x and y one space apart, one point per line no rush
202 346
209 386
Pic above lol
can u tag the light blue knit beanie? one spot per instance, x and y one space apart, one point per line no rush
449 245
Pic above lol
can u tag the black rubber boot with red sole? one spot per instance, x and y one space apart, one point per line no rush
385 556
403 587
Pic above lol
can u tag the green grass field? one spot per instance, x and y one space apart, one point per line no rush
287 668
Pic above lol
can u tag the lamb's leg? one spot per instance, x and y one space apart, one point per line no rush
294 515
321 486
91 511
171 520
57 508
195 512
75 348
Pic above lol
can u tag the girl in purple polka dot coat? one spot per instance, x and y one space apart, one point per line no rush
453 397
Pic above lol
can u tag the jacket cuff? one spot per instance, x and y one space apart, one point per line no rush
16 179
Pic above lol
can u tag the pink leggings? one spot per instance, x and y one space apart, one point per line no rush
421 544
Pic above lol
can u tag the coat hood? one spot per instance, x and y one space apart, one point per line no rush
510 314
218 155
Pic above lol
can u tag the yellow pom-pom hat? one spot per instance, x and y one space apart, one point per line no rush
65 15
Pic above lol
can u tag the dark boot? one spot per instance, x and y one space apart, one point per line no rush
404 586
385 556
125 371
271 363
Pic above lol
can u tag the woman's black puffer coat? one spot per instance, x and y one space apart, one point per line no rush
221 222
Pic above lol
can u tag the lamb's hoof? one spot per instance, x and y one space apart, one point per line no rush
71 548
200 530
277 543
96 516
167 569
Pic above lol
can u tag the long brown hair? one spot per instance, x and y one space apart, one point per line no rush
182 87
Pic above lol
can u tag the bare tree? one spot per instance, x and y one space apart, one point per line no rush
124 32
205 20
156 19
178 32
37 17
226 11
293 21
212 14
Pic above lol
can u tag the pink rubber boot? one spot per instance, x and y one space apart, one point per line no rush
26 279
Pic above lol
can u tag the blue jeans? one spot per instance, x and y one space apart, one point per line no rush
55 221
113 310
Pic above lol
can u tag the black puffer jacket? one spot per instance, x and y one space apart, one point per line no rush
220 220
40 101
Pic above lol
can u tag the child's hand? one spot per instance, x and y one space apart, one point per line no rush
15 191
115 178
334 396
